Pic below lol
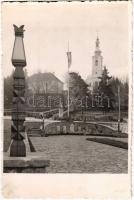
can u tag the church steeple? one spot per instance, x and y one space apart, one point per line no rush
97 43
96 63
97 47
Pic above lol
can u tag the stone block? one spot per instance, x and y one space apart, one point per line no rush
72 128
30 164
64 129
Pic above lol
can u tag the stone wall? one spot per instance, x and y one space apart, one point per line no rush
79 128
33 125
76 127
123 126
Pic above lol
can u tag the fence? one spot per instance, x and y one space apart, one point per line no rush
47 114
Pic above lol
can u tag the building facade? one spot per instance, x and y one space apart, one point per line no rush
45 92
44 83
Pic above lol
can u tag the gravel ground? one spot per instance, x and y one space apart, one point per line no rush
74 154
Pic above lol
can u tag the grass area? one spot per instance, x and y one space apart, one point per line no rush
108 141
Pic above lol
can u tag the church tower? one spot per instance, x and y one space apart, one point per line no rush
97 60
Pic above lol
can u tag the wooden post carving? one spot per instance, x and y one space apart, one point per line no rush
18 148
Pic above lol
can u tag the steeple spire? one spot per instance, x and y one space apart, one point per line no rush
97 60
97 43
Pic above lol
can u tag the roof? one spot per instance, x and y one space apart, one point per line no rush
46 75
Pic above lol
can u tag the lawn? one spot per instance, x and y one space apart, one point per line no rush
109 141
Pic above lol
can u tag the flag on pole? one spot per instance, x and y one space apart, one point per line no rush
69 57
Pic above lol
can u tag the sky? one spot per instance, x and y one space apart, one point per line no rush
49 27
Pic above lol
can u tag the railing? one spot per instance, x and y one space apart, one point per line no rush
56 115
46 114
54 112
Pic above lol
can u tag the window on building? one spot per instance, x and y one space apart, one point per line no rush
96 62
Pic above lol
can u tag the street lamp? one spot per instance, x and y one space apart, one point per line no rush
18 148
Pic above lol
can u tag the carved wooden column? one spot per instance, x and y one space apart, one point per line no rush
18 148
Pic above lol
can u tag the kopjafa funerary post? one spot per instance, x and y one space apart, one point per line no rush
18 148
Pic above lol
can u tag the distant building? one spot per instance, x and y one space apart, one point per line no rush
44 83
97 66
45 92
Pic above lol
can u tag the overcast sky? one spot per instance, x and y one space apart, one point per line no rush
49 27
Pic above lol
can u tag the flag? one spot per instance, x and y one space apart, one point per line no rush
69 57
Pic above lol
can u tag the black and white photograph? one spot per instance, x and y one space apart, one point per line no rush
67 77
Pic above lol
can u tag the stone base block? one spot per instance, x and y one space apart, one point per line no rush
30 164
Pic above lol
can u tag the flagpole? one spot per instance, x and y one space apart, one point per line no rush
119 111
68 85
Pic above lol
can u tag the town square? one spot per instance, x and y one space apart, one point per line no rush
66 90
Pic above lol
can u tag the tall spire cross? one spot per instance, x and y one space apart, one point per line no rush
97 42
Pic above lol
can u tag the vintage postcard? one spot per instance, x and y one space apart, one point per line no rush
67 72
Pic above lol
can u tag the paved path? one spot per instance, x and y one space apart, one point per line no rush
74 154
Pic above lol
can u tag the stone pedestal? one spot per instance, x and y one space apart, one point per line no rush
33 163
